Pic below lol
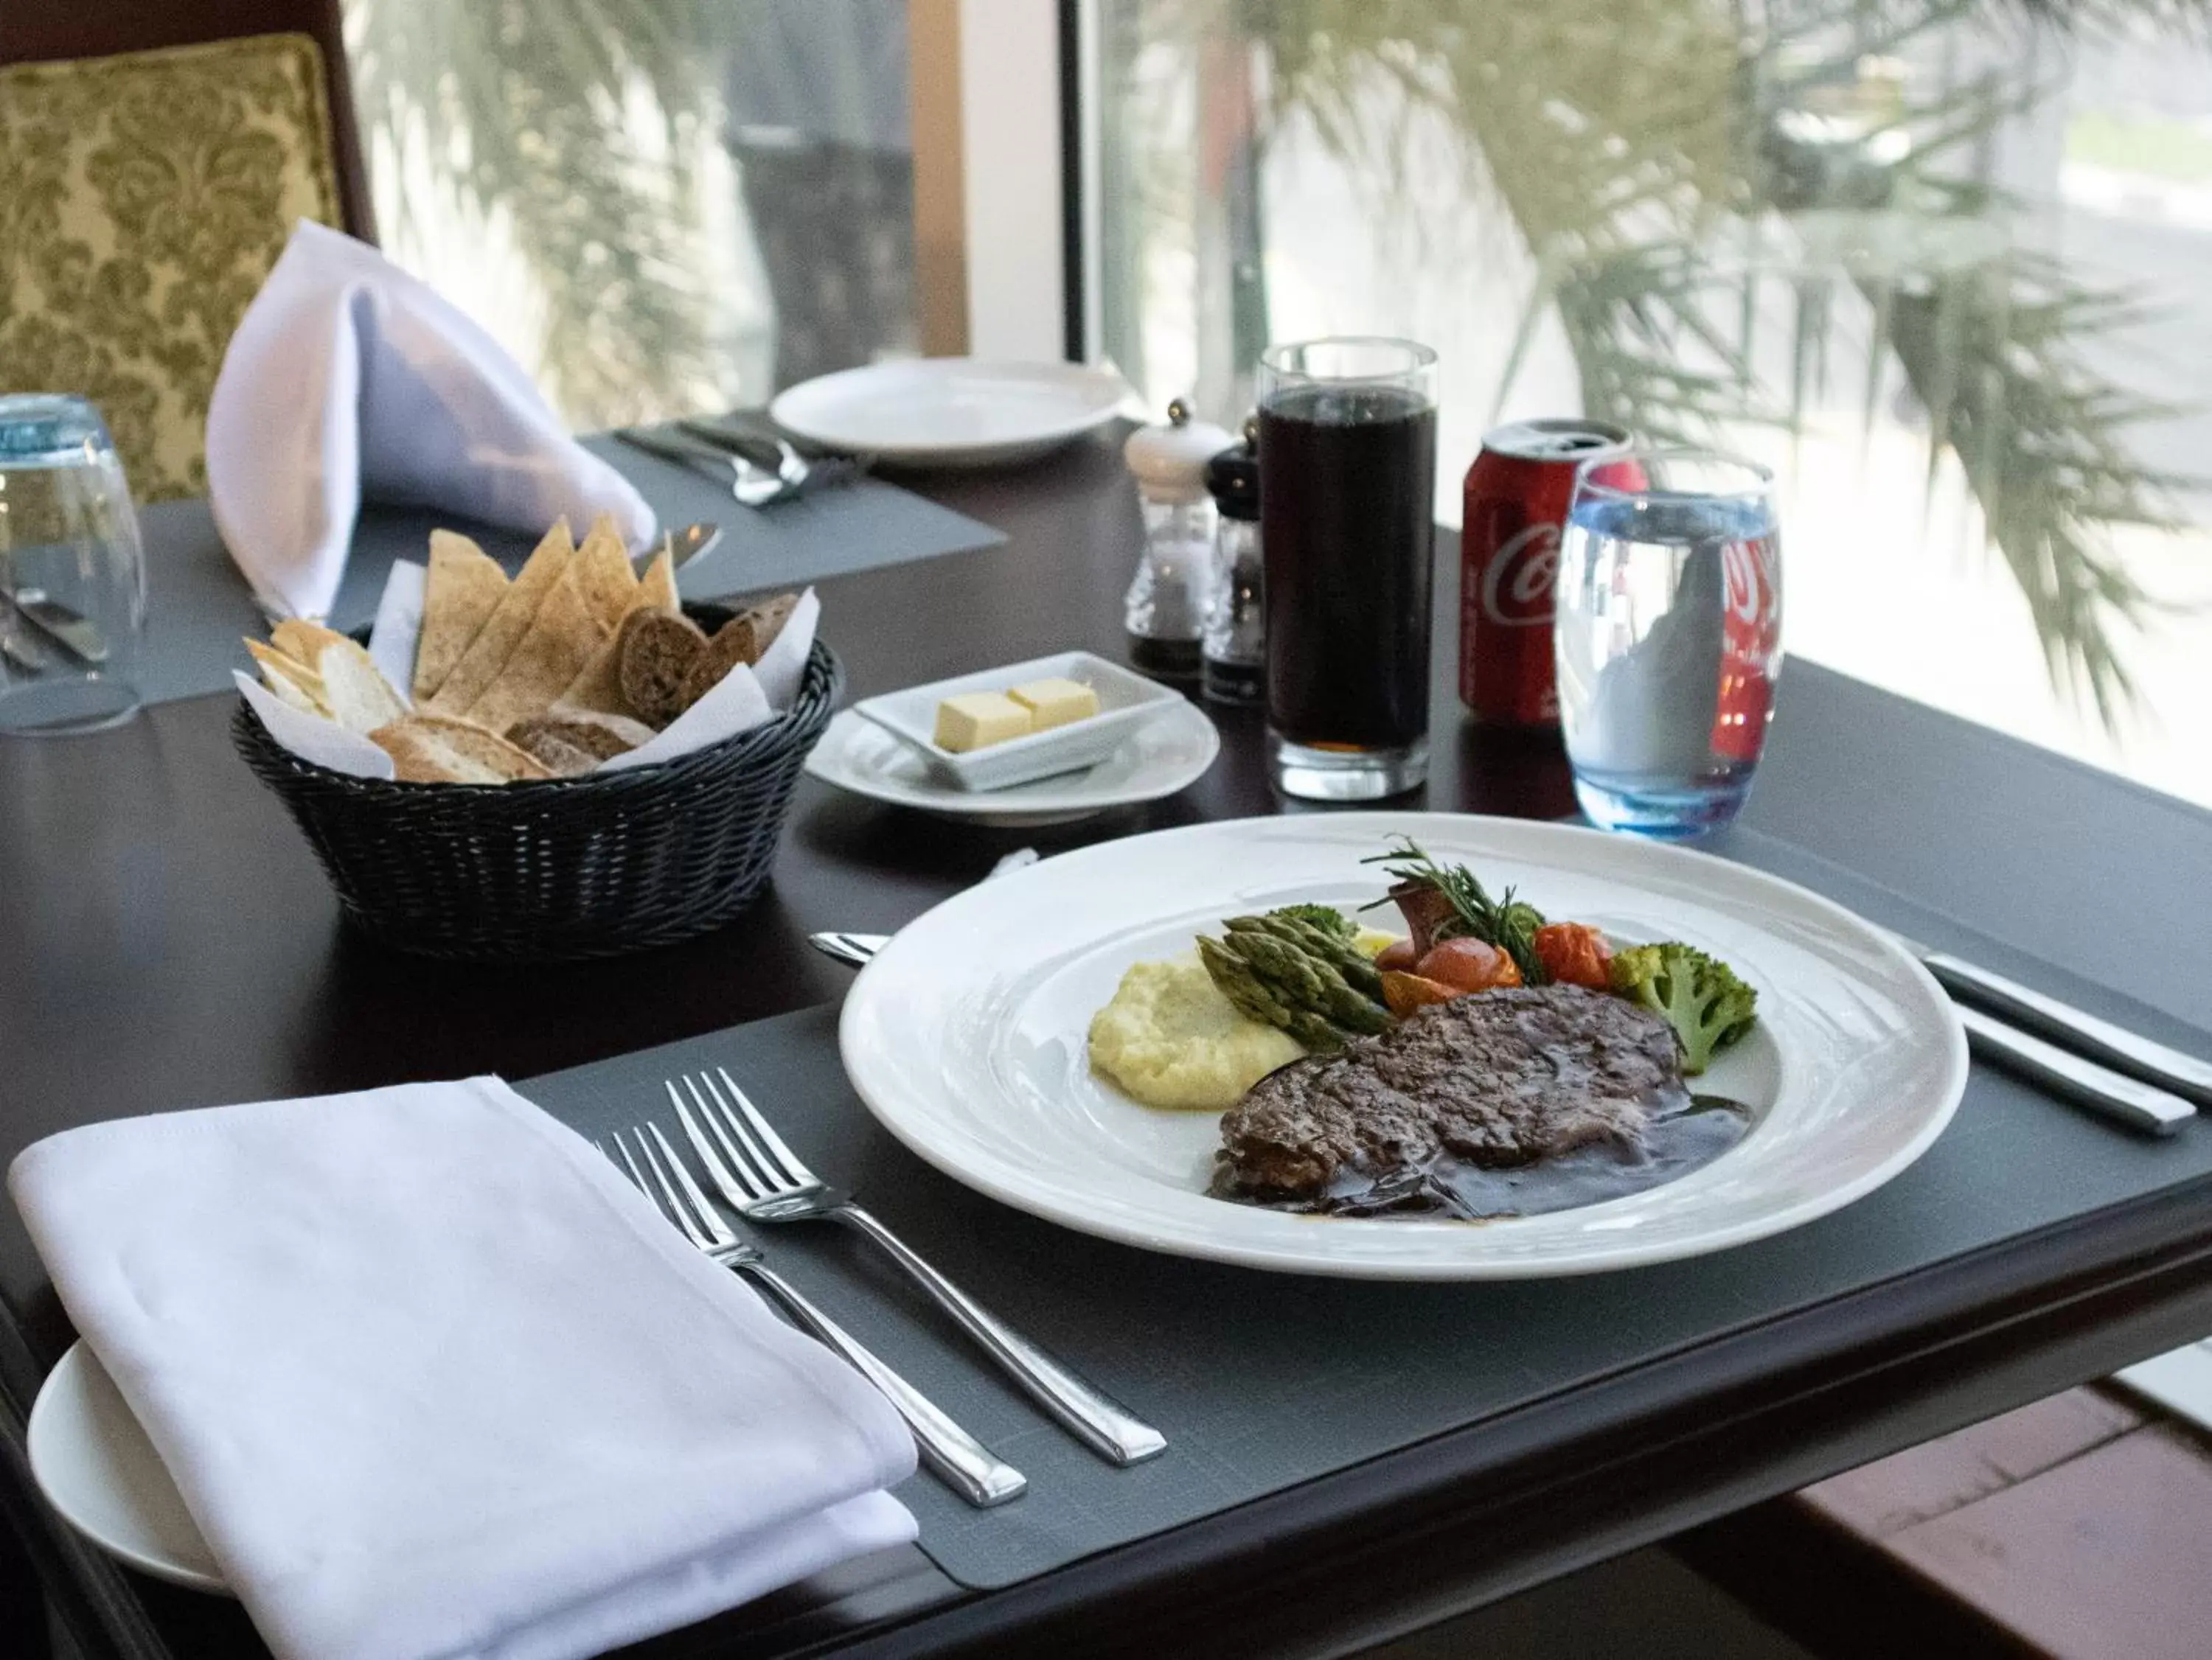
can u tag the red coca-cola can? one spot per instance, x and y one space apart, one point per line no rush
1517 498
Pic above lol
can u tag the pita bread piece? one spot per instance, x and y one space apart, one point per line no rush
438 749
292 681
465 587
562 638
603 571
562 759
355 690
509 622
601 737
657 588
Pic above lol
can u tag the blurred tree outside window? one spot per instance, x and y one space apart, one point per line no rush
1936 261
659 206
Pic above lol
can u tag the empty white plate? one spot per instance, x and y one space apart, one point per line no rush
1170 750
91 1458
951 411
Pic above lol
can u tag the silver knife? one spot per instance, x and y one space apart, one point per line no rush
2070 1027
75 633
854 950
2125 1100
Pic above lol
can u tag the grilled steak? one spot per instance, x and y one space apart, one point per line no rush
1498 1079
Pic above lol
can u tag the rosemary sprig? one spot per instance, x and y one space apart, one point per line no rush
1509 923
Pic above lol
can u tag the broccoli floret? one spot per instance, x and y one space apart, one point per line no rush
1327 917
1697 995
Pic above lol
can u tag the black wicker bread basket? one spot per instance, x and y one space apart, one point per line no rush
588 867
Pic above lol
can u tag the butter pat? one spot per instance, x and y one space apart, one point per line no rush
1055 702
975 720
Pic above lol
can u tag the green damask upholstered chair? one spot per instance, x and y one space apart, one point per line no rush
144 197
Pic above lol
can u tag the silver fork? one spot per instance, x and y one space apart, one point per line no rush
965 1464
764 1181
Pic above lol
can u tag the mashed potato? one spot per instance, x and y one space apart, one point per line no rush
1171 1039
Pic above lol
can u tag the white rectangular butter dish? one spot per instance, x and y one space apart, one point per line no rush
1125 700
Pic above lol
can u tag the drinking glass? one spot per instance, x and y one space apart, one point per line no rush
1348 523
1668 638
72 574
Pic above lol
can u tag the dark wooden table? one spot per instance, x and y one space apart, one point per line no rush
167 940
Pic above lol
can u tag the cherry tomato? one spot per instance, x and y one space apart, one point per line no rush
1574 954
1400 956
1467 964
1404 993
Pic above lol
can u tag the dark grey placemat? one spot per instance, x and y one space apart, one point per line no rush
1262 1381
198 605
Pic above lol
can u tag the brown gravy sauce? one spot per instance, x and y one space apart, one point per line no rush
1685 1133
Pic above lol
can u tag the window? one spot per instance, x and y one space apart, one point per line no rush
1938 262
659 206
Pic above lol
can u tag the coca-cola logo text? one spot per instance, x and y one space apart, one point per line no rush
1517 581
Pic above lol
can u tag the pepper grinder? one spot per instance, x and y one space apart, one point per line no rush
1172 591
1235 639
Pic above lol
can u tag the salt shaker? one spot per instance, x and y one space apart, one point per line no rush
1172 591
1235 640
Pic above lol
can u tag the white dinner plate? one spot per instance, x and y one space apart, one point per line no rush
951 411
966 1037
90 1456
1167 753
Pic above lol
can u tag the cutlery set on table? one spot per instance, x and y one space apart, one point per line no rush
761 465
762 1180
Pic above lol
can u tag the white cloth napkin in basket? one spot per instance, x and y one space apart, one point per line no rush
347 377
434 1380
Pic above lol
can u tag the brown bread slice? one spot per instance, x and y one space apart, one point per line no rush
742 638
562 638
463 588
439 749
509 622
657 652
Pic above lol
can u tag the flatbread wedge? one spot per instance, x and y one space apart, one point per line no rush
292 681
509 622
354 690
303 641
603 573
465 587
598 688
657 588
562 638
437 750
602 736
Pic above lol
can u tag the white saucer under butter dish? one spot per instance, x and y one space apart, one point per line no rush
1125 701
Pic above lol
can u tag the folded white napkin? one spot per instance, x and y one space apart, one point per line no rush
348 376
434 1380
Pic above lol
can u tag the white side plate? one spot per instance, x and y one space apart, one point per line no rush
1166 753
1125 701
91 1458
952 411
966 1037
